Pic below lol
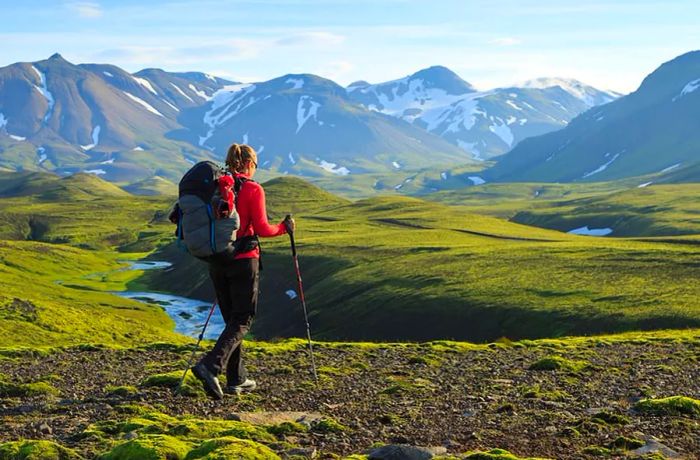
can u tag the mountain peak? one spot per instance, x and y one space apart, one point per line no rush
441 77
56 57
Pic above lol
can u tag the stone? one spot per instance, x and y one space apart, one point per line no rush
654 446
401 452
307 452
44 428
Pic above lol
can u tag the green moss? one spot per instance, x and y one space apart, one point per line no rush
21 390
287 428
625 443
203 429
123 391
608 418
536 392
597 451
190 387
327 425
149 447
555 363
35 450
494 454
229 448
673 405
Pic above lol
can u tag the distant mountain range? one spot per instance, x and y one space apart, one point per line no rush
652 131
128 128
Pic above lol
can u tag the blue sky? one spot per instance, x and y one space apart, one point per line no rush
609 44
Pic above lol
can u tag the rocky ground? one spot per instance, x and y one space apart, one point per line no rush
539 399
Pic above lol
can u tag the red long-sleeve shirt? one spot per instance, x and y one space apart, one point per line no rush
250 205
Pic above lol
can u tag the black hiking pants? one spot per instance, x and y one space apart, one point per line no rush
236 286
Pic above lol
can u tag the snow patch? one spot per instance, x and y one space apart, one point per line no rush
182 93
18 138
95 139
145 104
107 162
513 104
107 73
190 161
291 158
511 120
670 168
645 184
304 111
199 93
44 90
138 148
42 156
3 121
97 172
687 89
332 168
145 83
395 165
297 83
503 131
476 180
226 103
591 231
522 121
171 106
443 175
291 293
209 77
602 167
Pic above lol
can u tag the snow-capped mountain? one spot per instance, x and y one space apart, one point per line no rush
307 124
652 130
95 118
484 123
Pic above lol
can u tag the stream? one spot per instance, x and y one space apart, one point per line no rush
189 314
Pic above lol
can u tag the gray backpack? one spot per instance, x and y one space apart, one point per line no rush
204 235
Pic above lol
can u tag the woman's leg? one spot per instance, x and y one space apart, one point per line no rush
241 279
244 293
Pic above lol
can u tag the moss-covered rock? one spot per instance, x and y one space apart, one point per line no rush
21 390
625 443
327 425
286 428
495 454
123 391
230 448
673 405
36 450
556 363
149 447
190 386
597 451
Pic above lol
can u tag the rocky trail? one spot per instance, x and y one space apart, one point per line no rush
549 399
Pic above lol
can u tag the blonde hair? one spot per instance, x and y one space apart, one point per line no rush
238 156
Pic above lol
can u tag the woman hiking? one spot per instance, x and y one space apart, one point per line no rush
236 280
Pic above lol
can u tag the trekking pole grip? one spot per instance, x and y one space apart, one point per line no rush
287 219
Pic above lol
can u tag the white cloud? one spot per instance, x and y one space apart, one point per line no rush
335 70
86 9
506 41
311 38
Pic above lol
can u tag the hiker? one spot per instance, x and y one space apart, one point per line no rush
235 278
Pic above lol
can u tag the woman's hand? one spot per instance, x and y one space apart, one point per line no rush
290 224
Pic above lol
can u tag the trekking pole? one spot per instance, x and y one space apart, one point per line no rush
301 296
199 340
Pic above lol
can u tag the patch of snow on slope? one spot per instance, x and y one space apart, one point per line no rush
18 138
291 159
107 162
502 130
395 165
97 172
171 106
443 175
107 73
95 139
687 89
190 161
331 168
304 111
513 104
476 180
44 90
670 168
145 104
571 86
199 93
602 167
591 231
210 77
3 121
138 148
511 120
182 93
245 138
297 83
472 148
226 103
42 156
645 184
145 83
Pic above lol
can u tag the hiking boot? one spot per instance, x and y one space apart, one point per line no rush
248 385
209 380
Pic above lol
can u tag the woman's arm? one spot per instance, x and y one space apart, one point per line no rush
261 226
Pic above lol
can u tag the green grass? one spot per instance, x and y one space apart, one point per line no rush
673 405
